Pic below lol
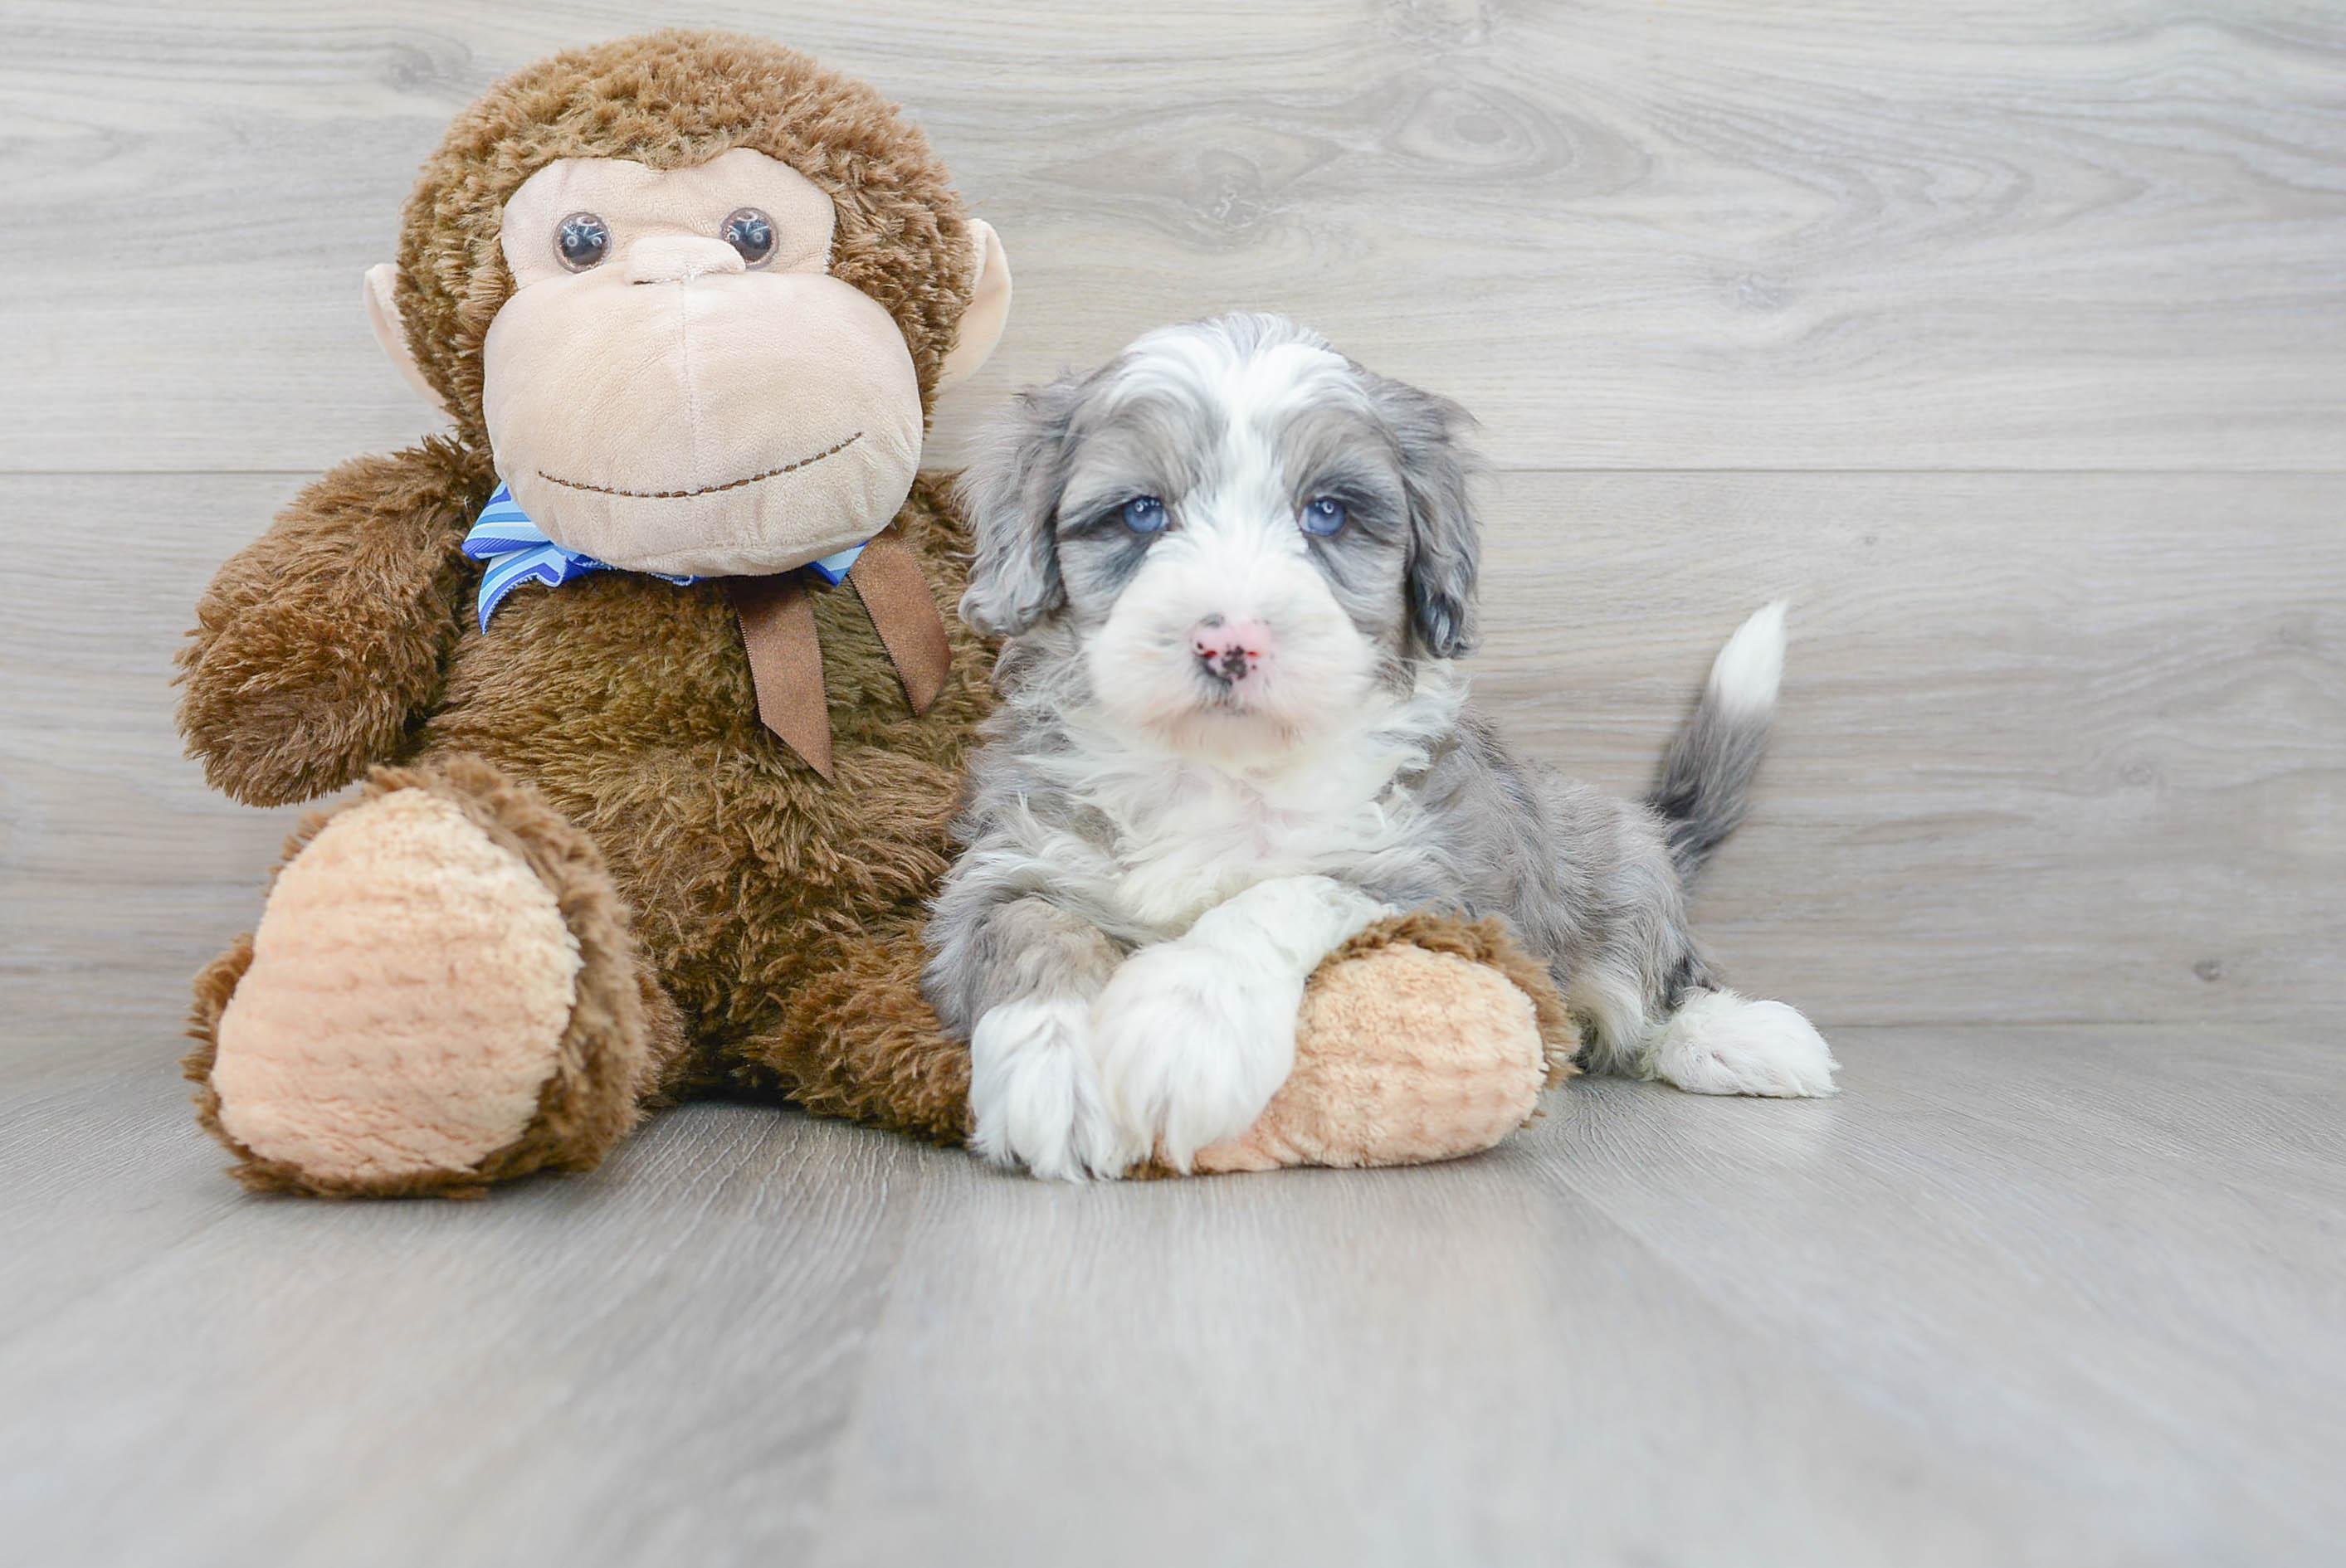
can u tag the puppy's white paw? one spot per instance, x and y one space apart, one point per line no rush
1035 1096
1192 1046
1721 1043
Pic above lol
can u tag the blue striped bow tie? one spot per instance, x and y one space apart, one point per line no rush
518 551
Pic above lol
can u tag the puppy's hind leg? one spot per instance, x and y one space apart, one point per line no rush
1717 1043
1707 1040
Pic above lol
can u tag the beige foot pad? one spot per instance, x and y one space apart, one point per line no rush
1422 1039
407 995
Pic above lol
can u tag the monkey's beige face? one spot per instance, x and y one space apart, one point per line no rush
677 385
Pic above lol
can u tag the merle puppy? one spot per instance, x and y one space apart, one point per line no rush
1236 572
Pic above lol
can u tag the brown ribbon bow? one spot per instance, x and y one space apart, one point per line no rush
777 614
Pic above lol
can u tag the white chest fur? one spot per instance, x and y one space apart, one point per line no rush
1188 833
1213 834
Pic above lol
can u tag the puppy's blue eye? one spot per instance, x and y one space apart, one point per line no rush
1144 515
1322 516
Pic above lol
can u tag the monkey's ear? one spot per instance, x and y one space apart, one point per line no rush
989 307
390 331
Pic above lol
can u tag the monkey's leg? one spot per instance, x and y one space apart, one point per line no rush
1423 1038
859 1040
443 993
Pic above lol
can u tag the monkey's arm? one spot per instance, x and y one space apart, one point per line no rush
319 646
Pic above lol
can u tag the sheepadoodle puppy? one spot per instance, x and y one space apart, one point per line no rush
1236 572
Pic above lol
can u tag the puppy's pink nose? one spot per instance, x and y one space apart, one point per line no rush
1229 651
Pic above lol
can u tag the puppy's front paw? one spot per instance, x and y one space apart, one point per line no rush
1191 1046
1035 1096
1721 1043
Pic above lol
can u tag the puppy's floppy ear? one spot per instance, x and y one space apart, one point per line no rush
1438 471
1011 494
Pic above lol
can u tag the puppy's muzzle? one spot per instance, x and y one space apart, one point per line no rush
1229 651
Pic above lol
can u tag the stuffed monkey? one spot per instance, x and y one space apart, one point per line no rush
648 673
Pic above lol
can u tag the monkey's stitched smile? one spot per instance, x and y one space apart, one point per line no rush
706 490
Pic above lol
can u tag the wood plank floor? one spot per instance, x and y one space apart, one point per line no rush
2022 1295
2007 339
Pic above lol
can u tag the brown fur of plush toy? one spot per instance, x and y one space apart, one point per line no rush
781 913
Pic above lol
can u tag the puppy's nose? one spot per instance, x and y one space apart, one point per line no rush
1229 651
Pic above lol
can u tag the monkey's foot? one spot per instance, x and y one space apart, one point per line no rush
1423 1038
442 993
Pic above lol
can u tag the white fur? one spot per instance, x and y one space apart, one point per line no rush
1717 1043
1192 831
1035 1094
1146 675
1746 675
1226 805
1232 550
1193 1037
1215 875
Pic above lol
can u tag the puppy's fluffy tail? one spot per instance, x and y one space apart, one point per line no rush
1707 773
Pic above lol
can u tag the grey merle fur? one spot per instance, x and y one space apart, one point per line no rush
1594 884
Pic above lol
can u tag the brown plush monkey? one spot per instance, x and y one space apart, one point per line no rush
650 671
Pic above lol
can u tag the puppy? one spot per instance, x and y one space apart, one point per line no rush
1237 572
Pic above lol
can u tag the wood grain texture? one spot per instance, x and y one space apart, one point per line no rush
633 1367
2100 1245
120 873
1354 1370
2051 747
1695 236
1913 1325
2023 1296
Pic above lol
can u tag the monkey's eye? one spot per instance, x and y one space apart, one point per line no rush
582 241
1322 516
751 232
1142 513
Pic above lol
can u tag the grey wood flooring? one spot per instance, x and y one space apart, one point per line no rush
2022 1295
2007 340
